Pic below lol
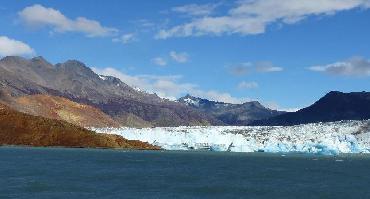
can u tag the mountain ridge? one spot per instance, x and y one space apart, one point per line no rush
334 106
77 82
230 114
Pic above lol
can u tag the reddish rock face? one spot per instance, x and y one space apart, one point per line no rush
22 129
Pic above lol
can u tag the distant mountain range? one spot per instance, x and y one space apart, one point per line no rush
231 114
334 106
72 92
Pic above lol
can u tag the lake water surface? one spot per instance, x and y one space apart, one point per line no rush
98 173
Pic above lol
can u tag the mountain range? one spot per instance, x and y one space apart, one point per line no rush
231 114
75 81
72 92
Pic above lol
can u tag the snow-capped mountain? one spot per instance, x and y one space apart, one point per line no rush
319 138
230 114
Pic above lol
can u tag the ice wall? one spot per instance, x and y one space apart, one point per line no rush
321 138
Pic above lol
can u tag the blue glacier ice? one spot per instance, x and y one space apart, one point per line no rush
319 138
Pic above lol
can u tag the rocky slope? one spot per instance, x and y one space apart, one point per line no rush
62 109
77 82
334 106
22 129
231 114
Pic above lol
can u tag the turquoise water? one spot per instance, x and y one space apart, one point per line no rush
94 173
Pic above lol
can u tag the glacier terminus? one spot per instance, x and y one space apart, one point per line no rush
319 138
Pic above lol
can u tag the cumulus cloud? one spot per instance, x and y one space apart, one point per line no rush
247 85
169 87
10 47
195 9
249 67
356 66
39 16
250 17
179 57
159 61
126 38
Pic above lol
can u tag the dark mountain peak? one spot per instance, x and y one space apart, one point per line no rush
188 96
74 63
253 103
333 94
41 62
334 98
191 100
77 67
334 106
39 59
14 59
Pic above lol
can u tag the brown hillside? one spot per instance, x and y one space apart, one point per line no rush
63 109
22 129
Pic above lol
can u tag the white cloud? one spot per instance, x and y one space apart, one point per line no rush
40 16
168 87
10 47
249 67
267 67
179 57
356 66
159 61
250 17
195 9
126 38
247 85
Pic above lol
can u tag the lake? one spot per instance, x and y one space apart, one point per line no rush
100 173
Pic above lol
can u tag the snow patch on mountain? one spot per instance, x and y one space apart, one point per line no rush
103 77
318 138
190 101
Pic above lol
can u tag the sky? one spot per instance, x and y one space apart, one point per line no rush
284 53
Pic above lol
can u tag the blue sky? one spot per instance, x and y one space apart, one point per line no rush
284 53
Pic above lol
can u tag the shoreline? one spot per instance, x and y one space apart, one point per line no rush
201 152
81 147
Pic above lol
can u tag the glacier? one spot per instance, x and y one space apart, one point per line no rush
319 138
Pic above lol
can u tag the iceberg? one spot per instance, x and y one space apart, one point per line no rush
319 138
